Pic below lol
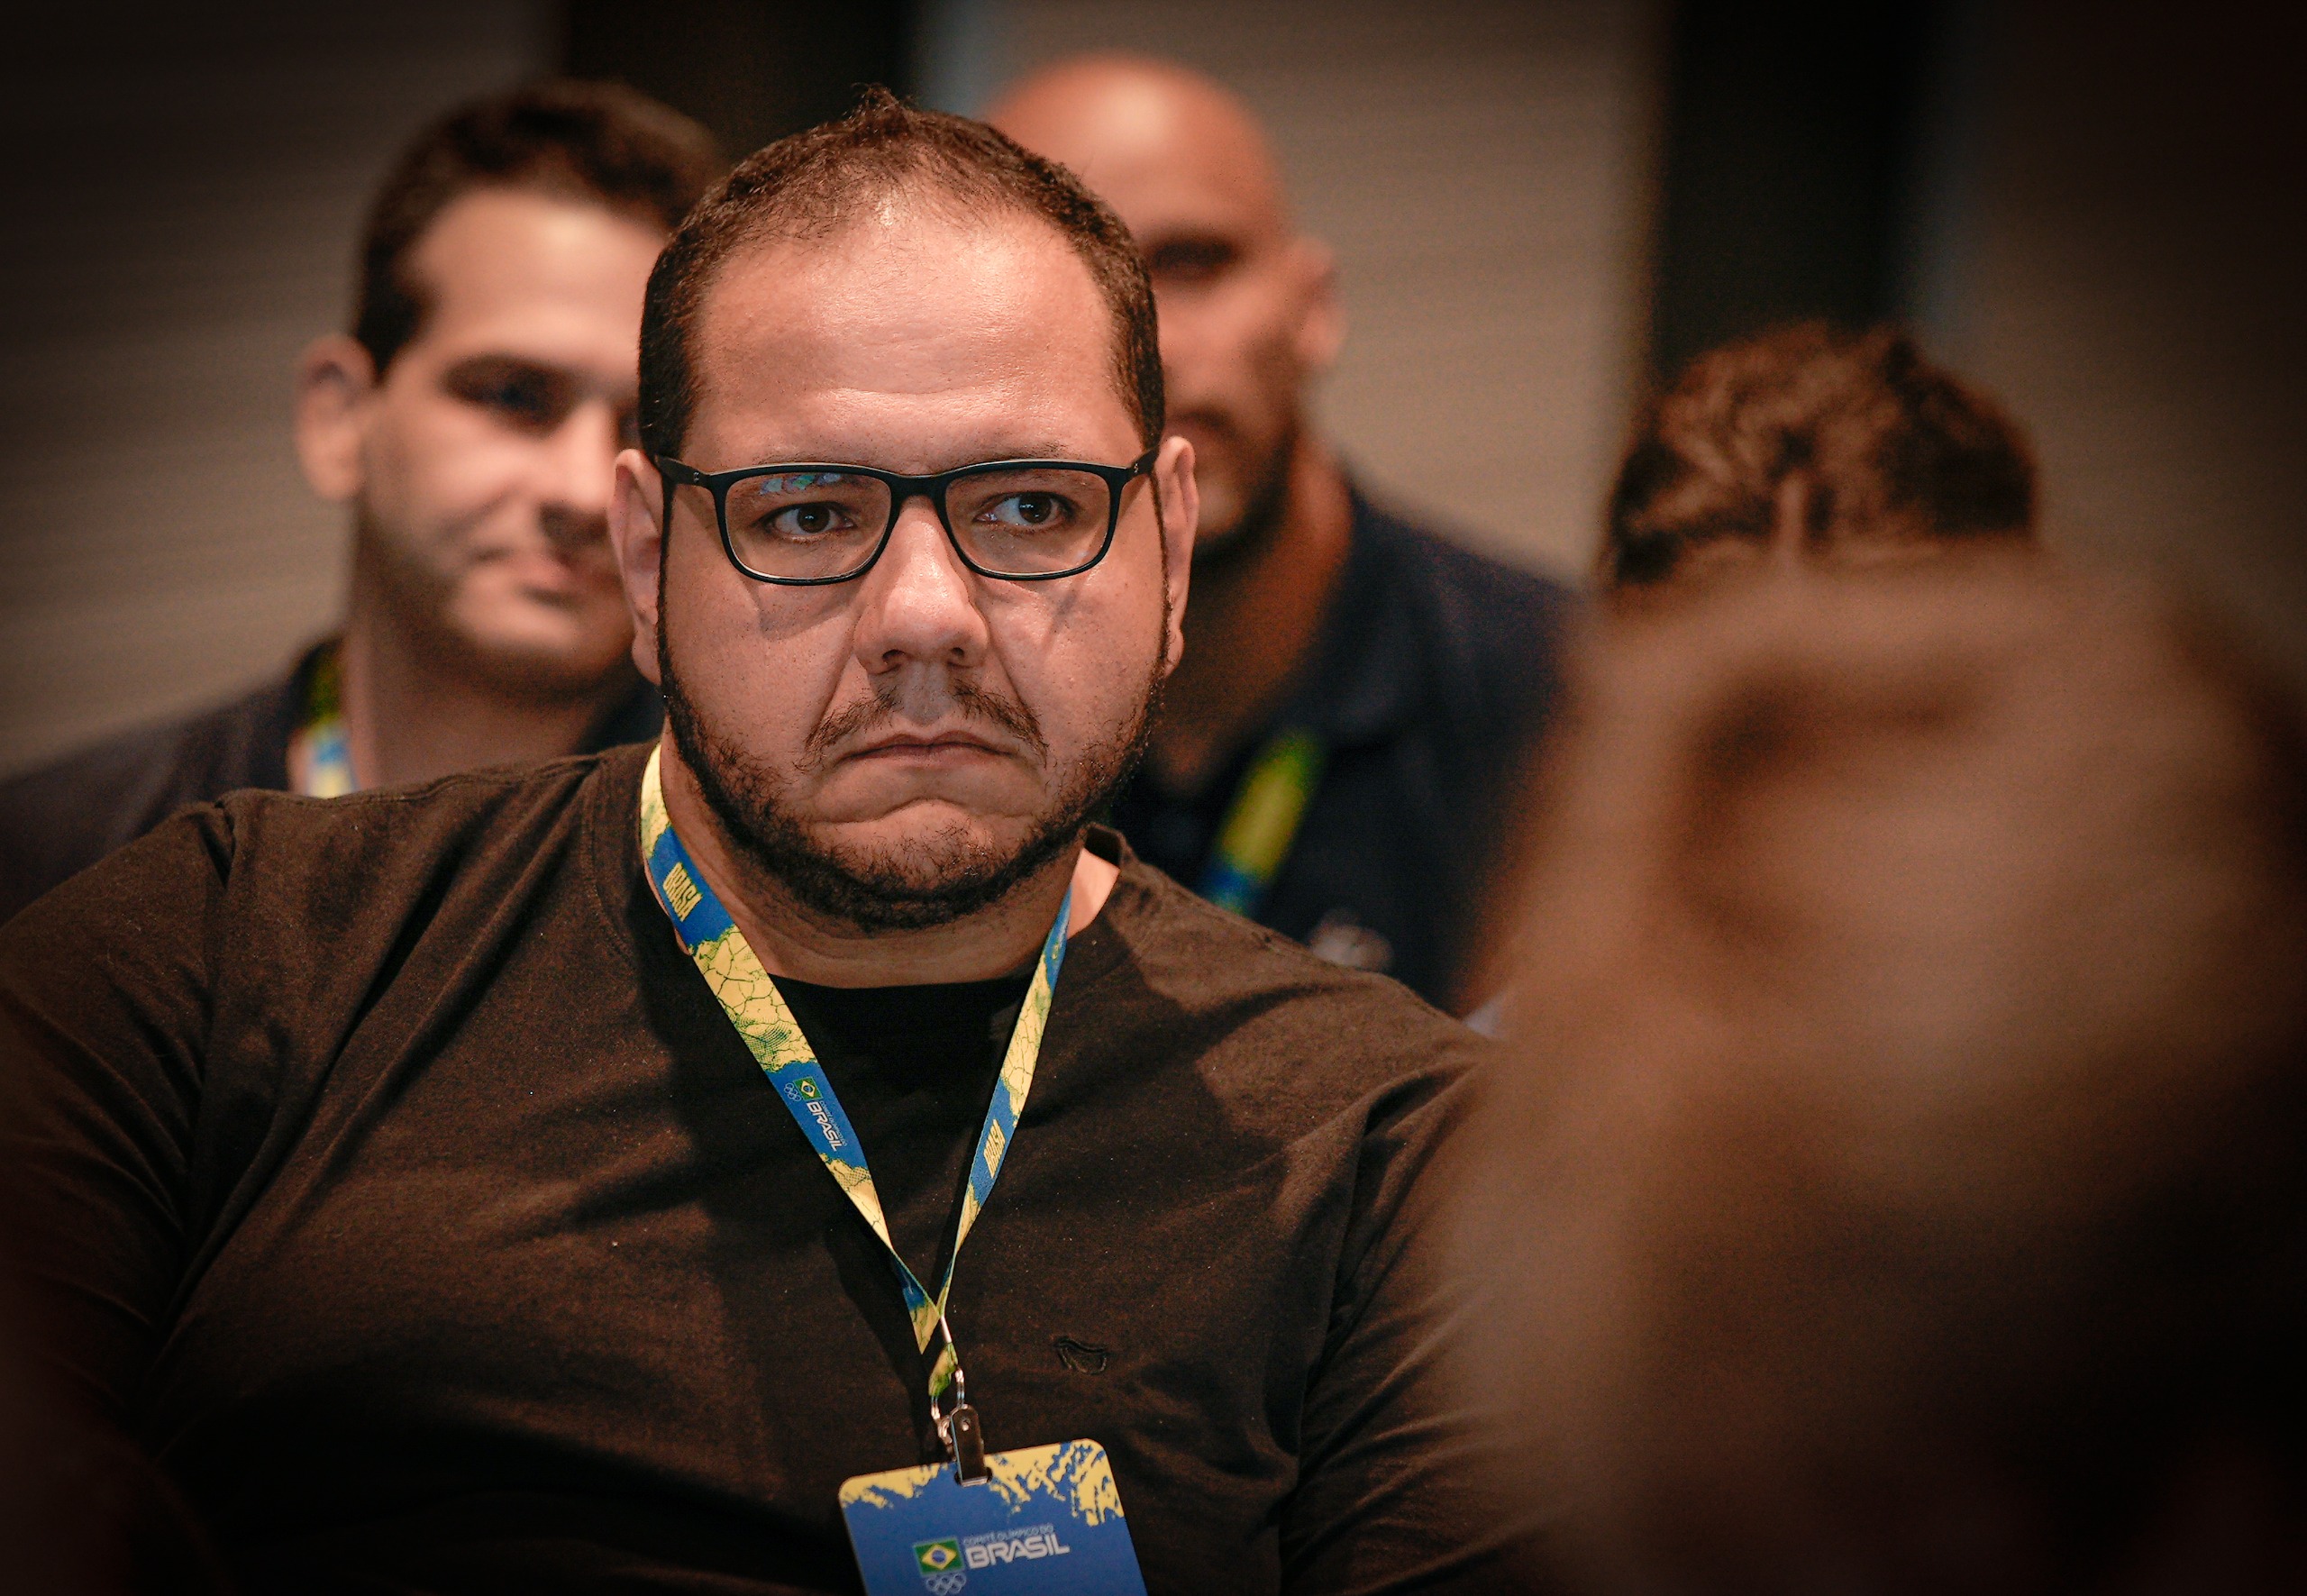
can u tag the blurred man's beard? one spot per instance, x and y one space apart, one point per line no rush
421 606
932 882
1265 494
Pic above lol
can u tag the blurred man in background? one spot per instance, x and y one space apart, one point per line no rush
1356 693
1899 1189
470 422
1809 444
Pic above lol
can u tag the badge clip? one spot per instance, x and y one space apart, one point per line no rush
959 1427
967 1441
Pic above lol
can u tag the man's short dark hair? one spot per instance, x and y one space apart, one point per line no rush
1894 450
598 143
811 185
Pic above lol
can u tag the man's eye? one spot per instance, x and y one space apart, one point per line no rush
530 400
802 522
526 401
1030 511
1190 263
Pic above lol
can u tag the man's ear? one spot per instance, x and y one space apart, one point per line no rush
1322 321
335 383
1181 502
638 536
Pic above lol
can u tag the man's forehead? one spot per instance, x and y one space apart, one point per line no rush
505 246
899 286
899 314
1165 147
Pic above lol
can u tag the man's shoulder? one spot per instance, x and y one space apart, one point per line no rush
280 867
58 819
1258 1006
192 755
1487 635
450 824
1501 603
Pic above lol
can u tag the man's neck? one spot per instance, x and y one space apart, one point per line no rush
790 940
1254 616
413 712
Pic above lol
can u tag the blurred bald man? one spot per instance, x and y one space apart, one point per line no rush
1333 755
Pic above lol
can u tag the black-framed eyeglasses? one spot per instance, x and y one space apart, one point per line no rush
806 526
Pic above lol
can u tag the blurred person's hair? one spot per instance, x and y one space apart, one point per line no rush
594 143
812 184
1811 440
1901 1177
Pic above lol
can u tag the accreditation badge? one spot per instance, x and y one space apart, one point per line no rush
1043 1519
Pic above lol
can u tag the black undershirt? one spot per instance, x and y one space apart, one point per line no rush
914 1067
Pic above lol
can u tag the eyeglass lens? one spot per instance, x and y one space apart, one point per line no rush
1015 522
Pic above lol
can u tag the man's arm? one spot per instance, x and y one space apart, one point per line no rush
1395 1492
104 1014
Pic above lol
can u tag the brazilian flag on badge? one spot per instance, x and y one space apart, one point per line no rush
937 1556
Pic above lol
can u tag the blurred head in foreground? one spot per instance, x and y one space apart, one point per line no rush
1807 444
1901 1185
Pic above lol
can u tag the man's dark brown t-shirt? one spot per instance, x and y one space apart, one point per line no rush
391 1175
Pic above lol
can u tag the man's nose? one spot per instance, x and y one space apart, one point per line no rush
918 604
579 461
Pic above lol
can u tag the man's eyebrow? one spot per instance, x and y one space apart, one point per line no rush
1044 450
1199 246
1040 449
489 360
488 365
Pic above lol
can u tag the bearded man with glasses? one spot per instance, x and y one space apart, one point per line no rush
676 1166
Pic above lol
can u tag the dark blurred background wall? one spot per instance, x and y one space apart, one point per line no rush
2095 211
2119 258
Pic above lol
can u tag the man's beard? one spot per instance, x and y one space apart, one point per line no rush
948 876
416 601
1264 498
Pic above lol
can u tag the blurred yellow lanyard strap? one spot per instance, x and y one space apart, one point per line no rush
1262 822
320 747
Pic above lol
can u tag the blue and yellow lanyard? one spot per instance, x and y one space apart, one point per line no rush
750 998
1262 822
327 755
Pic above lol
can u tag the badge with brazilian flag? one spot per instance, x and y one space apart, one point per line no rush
1045 1522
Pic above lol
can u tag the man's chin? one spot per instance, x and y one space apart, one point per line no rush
923 843
1244 487
926 865
1233 520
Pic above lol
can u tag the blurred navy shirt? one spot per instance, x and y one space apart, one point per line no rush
1433 676
58 820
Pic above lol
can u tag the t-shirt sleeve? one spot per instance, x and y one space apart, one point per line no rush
104 1009
1395 1492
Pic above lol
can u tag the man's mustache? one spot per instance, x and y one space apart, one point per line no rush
880 705
573 534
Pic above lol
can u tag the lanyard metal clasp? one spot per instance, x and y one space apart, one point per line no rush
958 1426
966 1441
